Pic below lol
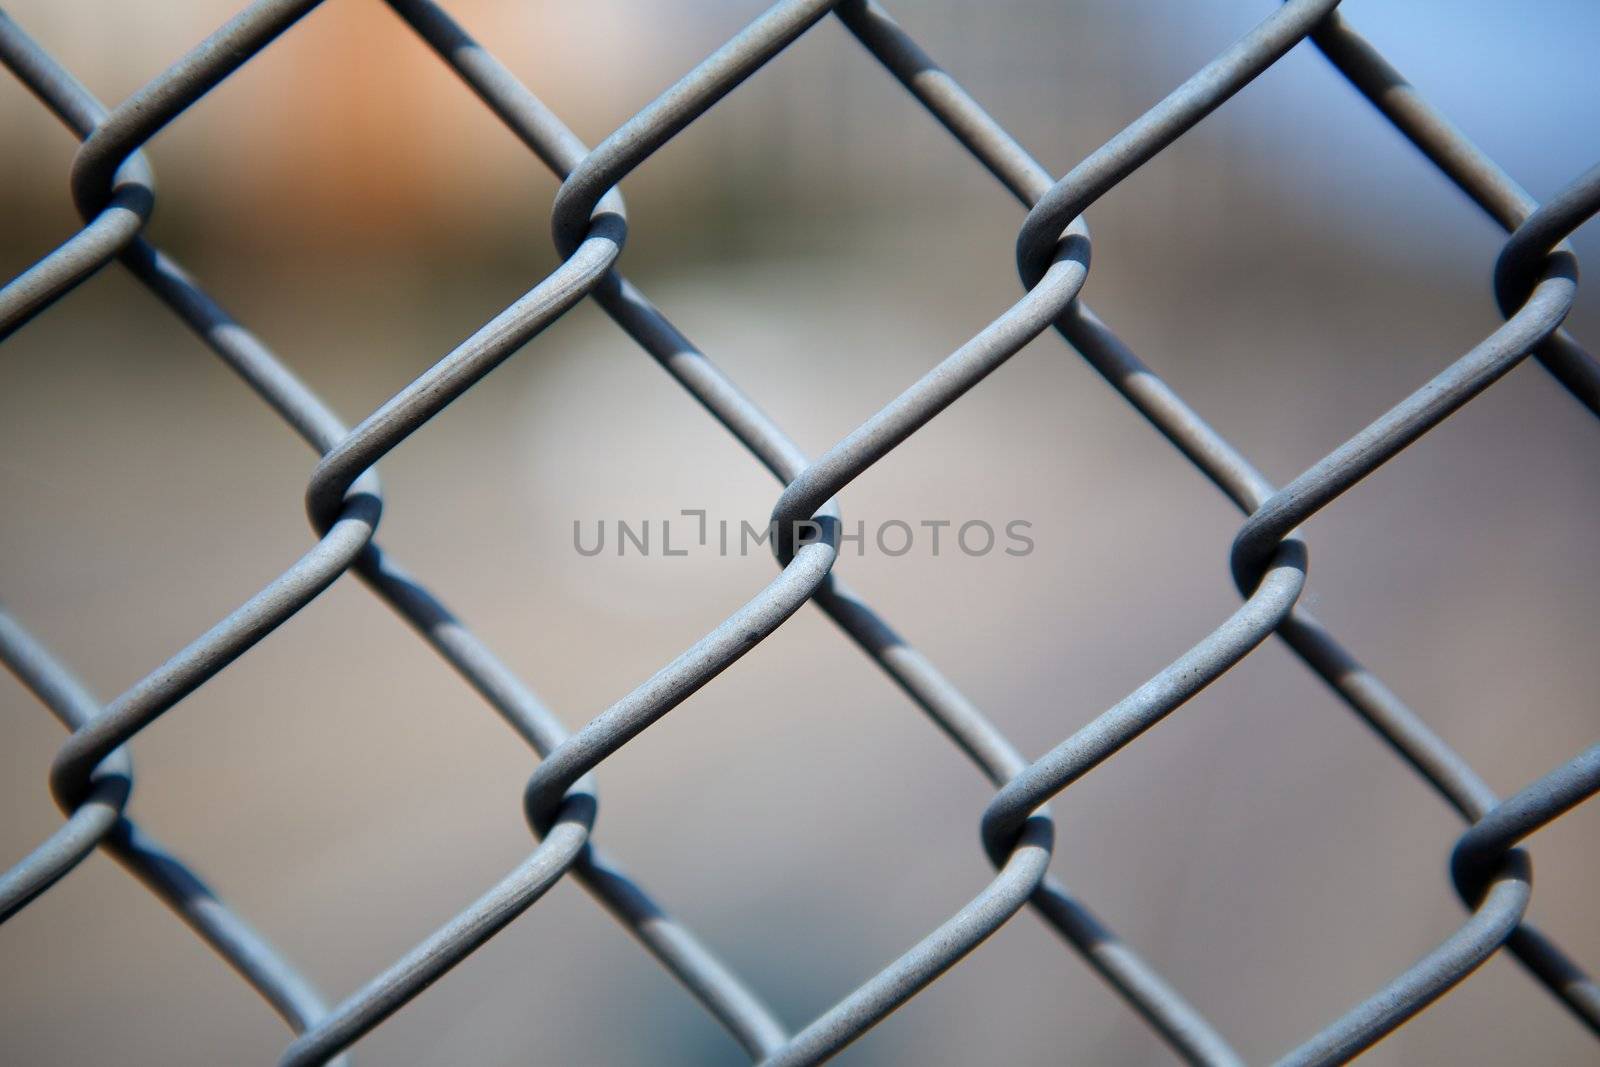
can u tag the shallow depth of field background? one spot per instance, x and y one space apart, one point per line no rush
1292 267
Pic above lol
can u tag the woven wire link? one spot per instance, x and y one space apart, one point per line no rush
92 777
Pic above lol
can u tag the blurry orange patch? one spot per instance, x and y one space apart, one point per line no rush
362 133
359 144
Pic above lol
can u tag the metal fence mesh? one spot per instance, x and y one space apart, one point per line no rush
112 186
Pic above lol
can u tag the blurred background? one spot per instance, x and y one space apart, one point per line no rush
1292 267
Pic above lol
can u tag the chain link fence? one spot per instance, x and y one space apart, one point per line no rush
113 188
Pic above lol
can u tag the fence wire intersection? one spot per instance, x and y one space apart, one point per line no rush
92 777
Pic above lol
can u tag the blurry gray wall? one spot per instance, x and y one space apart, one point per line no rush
1292 267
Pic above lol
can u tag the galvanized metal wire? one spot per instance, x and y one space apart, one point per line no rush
113 188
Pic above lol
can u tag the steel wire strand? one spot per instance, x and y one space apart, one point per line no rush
202 658
1236 480
111 183
1172 1017
362 448
1379 706
377 999
1262 614
561 150
1442 771
912 971
1481 846
1249 626
111 228
349 527
1524 258
951 378
1429 978
904 426
815 485
92 820
740 1010
562 818
744 1016
1504 201
1374 702
1259 541
723 995
584 189
284 988
73 776
1189 1034
919 404
701 378
163 98
1021 873
471 927
452 942
1478 851
1437 138
332 511
590 231
1140 141
1497 918
1057 212
1264 530
1534 321
1495 880
780 512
